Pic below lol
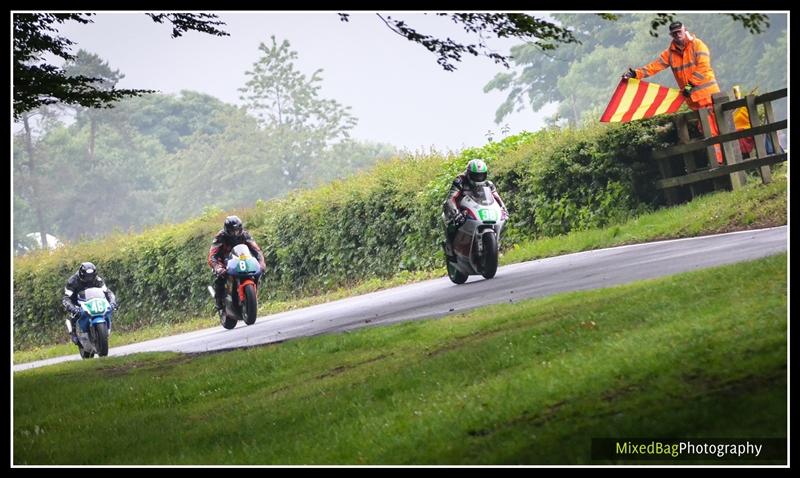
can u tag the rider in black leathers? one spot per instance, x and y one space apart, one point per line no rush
472 178
85 278
231 235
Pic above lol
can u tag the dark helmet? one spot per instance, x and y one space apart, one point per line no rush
87 272
233 226
476 171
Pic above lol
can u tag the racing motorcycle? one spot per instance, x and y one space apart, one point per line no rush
94 323
476 244
241 301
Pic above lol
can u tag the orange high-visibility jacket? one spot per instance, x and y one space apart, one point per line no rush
692 64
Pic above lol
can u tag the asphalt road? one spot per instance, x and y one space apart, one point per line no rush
439 297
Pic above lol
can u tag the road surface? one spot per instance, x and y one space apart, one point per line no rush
439 297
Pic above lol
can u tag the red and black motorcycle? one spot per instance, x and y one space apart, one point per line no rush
241 301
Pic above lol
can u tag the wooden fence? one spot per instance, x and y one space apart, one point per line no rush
682 173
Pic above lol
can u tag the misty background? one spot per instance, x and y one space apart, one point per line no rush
294 100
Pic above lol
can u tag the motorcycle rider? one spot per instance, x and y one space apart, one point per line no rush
231 235
473 178
85 278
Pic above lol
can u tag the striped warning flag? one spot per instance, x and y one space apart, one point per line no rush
635 99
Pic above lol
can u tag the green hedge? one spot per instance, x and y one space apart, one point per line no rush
374 224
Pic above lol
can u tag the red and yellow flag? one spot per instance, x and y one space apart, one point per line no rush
635 99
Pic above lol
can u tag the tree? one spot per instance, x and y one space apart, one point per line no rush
542 34
546 35
38 83
298 122
579 76
226 169
537 84
172 118
89 65
76 197
125 160
31 167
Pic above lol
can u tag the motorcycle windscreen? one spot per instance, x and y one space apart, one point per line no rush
91 293
242 250
483 196
242 262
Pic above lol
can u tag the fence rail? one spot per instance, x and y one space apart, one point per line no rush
720 171
731 174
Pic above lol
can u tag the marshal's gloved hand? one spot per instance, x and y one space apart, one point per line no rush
687 90
631 73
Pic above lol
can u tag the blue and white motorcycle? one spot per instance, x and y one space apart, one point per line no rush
94 323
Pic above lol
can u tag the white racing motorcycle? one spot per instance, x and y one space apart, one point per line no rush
476 244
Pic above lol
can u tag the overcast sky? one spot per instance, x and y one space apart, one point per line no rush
395 87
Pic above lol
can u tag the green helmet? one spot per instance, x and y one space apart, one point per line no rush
476 171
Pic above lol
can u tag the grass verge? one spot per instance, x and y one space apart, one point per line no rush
700 354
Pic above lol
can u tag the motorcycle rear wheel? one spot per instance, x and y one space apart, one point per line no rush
227 322
84 353
455 275
231 303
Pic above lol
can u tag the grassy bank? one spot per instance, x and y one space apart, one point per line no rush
701 354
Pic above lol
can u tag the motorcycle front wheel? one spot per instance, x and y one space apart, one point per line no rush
250 309
489 255
101 339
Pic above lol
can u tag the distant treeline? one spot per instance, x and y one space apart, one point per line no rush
85 172
162 158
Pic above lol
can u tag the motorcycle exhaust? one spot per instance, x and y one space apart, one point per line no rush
211 291
69 325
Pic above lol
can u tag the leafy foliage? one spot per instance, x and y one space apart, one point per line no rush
119 186
37 83
157 157
541 34
546 35
299 123
172 119
183 22
581 76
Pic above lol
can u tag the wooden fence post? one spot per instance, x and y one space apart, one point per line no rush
682 127
733 173
769 116
761 147
665 168
719 183
725 124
